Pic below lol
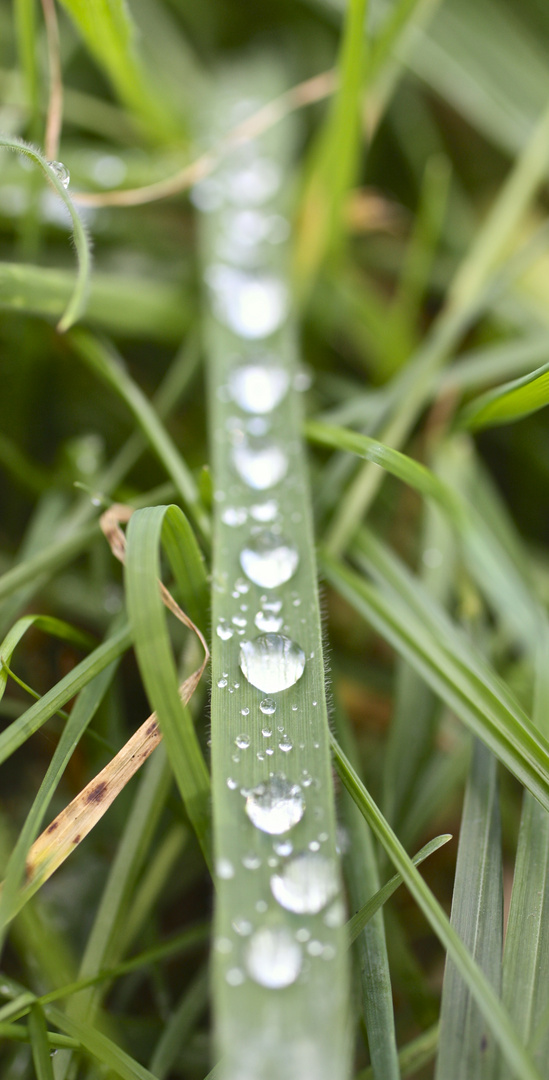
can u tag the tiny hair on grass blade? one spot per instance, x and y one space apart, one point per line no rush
76 304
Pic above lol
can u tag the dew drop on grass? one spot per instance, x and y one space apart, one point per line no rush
285 744
224 869
268 708
260 463
61 172
264 512
273 958
252 305
258 388
269 560
234 516
272 662
269 624
235 976
243 741
275 805
223 631
254 183
306 884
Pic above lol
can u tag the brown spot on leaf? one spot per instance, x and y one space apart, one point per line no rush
54 825
76 839
95 794
152 728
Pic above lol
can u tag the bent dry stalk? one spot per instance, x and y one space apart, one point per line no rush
280 968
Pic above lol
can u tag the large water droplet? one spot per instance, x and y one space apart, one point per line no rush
61 172
258 388
268 706
261 463
306 884
252 305
275 805
269 560
272 662
273 958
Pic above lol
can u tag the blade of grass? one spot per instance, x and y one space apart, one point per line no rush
99 1046
155 659
484 706
362 876
180 1025
413 1057
368 910
527 941
465 1048
509 402
41 1054
105 363
494 1014
265 1029
76 304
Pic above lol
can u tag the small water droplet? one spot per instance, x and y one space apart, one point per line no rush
243 741
234 516
231 784
251 861
258 388
239 620
283 848
253 183
264 512
223 945
272 662
223 631
302 381
269 624
224 869
273 958
315 948
269 560
275 805
267 732
268 707
252 305
306 884
235 976
303 934
285 744
260 463
222 683
61 172
335 915
245 711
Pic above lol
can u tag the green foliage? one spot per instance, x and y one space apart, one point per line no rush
399 227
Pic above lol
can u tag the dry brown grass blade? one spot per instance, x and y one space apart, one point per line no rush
70 827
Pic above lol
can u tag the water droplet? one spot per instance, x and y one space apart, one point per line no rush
302 381
315 948
335 915
264 512
252 305
231 784
223 945
266 732
207 195
61 172
269 624
283 848
268 707
235 976
303 934
260 464
234 516
285 744
272 662
306 884
275 805
239 620
222 683
258 388
224 869
223 631
269 560
243 741
251 861
245 711
273 958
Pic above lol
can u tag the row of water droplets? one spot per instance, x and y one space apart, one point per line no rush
252 302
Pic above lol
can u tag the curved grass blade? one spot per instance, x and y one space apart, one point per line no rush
99 1046
466 1050
155 659
50 625
509 402
77 301
493 1011
368 910
486 708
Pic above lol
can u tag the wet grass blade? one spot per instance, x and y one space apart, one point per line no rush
76 304
509 402
280 985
